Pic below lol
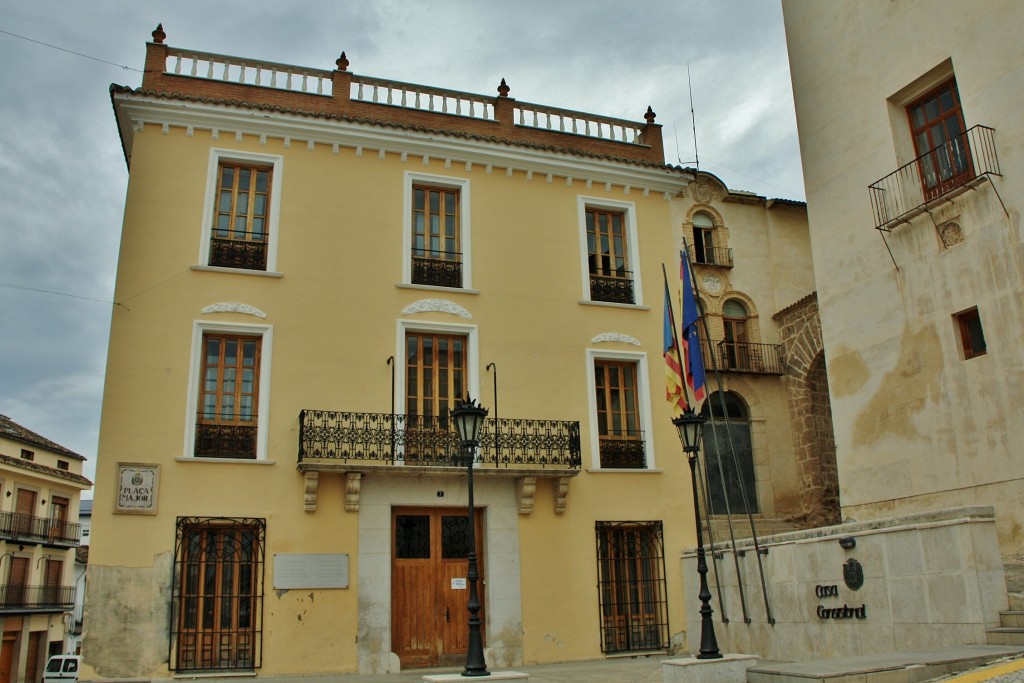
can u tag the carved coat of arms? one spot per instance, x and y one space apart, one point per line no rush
853 574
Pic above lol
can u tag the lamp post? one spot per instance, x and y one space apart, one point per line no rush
468 417
690 425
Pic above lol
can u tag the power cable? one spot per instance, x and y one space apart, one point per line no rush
79 54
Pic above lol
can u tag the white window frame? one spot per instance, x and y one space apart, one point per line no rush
276 164
463 186
643 405
632 244
266 334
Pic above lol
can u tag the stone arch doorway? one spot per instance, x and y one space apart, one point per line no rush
810 411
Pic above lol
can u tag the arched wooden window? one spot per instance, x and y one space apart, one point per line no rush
729 455
703 238
736 349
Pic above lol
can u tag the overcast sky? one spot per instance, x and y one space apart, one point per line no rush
63 175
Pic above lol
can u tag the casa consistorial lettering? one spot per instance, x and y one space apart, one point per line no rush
844 612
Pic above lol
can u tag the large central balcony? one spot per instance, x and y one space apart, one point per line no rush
386 440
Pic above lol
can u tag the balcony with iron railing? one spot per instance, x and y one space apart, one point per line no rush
622 449
934 177
18 598
386 440
437 268
744 357
31 530
711 256
617 289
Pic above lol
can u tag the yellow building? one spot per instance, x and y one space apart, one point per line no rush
315 266
39 531
910 130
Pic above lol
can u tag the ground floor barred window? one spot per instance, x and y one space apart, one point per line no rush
631 583
217 601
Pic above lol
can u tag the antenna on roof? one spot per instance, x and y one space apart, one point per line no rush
693 118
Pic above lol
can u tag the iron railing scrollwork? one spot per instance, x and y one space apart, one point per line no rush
623 449
432 440
19 597
955 164
616 290
440 269
225 440
231 253
16 526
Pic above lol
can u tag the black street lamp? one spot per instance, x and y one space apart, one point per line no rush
690 425
468 417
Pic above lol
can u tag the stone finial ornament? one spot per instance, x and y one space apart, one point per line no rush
158 34
503 89
342 62
649 116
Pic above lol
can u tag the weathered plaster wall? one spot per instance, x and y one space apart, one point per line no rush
916 425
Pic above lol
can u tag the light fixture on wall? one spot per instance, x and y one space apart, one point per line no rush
847 542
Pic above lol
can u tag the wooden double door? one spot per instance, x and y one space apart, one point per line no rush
429 585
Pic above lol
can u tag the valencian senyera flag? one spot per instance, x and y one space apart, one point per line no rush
693 358
674 391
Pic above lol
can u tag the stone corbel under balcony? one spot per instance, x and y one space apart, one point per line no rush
525 481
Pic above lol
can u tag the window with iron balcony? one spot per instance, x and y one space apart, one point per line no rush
436 243
226 424
239 237
620 437
611 279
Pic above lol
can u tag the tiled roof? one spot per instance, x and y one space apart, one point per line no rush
33 466
123 89
14 431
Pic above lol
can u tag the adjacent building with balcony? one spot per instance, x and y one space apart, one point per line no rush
41 482
767 386
910 133
315 267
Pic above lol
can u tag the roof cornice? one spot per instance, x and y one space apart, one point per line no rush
133 108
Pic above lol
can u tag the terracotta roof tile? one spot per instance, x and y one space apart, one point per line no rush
43 469
14 431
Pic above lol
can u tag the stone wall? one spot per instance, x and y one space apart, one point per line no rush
810 411
929 580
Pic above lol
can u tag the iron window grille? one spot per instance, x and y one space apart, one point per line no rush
217 594
632 587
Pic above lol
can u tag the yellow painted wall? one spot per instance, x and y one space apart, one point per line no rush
334 313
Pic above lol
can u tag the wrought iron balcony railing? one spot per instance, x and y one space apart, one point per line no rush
757 359
623 449
383 438
439 268
229 253
22 528
945 171
226 440
21 598
711 256
616 290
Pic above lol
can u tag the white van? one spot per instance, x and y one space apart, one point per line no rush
61 669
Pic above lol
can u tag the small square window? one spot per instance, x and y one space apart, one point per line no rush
27 454
62 465
972 337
